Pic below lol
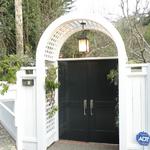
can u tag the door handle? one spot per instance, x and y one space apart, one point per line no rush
84 107
91 106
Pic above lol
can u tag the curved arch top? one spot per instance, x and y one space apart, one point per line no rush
62 28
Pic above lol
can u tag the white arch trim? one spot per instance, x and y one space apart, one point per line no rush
69 24
49 47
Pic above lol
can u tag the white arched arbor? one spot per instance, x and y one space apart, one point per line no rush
48 49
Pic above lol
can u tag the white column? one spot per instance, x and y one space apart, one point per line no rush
137 104
26 115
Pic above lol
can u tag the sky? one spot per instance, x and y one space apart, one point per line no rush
108 8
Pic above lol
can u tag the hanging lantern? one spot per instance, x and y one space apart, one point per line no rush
83 41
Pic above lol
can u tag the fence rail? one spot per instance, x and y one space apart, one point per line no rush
7 109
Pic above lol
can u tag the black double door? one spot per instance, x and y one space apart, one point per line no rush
87 101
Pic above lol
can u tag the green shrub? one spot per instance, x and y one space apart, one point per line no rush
50 86
113 77
9 65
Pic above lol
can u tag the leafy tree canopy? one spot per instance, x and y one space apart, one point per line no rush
37 14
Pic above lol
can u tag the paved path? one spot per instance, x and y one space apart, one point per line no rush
73 145
6 142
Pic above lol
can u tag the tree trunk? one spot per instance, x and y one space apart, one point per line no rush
19 28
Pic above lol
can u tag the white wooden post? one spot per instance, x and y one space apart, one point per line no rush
26 119
137 104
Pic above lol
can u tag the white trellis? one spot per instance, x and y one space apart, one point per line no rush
48 50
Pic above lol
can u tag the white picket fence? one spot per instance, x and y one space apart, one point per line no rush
19 110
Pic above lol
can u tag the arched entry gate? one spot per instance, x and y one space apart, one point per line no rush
48 50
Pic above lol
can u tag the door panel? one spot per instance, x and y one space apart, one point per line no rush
72 93
102 123
82 80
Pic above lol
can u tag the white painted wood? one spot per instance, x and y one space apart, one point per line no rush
87 58
137 101
7 109
26 112
7 115
25 125
8 121
148 103
10 95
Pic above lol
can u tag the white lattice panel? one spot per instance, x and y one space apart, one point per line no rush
65 30
50 121
50 51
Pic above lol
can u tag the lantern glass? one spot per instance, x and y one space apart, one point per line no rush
83 45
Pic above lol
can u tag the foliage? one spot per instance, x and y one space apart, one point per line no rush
146 20
70 47
135 31
52 111
4 88
37 14
133 27
136 42
147 33
31 25
7 27
50 81
52 9
9 65
113 77
50 86
100 45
